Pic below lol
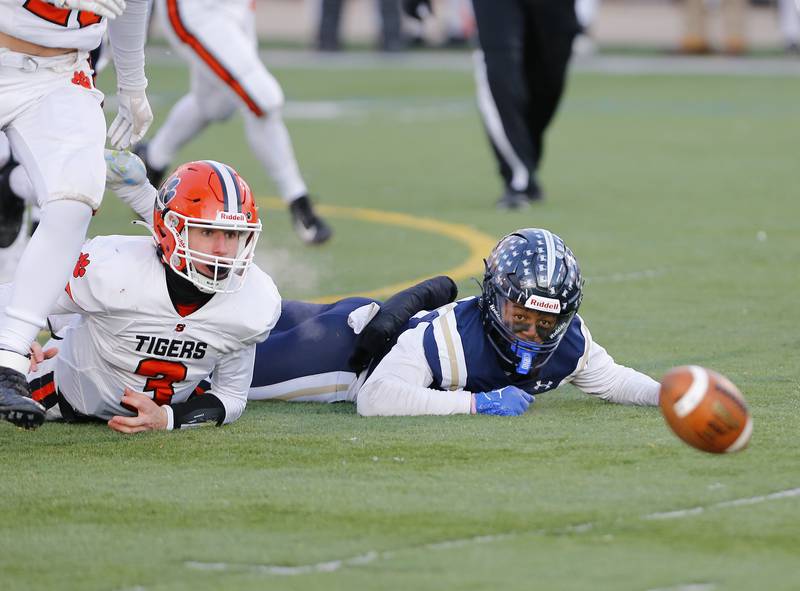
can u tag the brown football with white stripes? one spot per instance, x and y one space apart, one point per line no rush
705 409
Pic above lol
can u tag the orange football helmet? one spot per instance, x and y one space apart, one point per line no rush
208 195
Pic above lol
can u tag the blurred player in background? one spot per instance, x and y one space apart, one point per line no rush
520 73
53 117
141 324
218 39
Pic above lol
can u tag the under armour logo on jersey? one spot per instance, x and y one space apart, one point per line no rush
542 386
81 79
179 327
80 266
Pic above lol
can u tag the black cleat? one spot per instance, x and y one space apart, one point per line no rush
512 199
154 175
16 405
12 207
309 226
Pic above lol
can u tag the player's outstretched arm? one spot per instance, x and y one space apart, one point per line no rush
394 314
126 176
601 376
127 35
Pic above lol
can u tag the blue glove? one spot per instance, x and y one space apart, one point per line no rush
508 401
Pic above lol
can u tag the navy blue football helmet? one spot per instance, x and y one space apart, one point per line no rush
533 269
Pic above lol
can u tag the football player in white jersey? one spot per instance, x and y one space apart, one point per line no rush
140 326
218 39
53 117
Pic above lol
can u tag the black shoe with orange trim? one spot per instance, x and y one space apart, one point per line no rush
16 406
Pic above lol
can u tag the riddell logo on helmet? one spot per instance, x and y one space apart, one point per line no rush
543 304
231 217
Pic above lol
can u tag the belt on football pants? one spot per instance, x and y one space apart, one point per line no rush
31 63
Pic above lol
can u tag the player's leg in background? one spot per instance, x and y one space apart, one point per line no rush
789 19
503 97
16 198
330 18
205 103
586 11
550 33
733 26
695 38
59 141
224 44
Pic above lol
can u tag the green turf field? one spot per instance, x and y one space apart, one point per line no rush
679 195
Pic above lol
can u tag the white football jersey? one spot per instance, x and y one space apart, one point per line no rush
129 334
44 24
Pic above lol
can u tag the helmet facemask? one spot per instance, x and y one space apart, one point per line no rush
211 273
207 195
505 328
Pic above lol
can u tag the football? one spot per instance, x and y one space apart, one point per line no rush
705 409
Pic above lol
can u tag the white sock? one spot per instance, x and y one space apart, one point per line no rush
43 272
184 122
270 142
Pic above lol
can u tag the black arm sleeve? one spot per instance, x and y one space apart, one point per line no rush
198 409
377 337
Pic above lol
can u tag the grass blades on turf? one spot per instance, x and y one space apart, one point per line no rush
677 193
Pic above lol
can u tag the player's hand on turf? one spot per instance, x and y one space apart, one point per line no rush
508 401
133 119
150 417
38 355
418 9
107 8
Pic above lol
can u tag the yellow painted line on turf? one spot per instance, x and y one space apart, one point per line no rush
478 243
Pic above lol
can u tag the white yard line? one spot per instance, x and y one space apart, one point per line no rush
374 556
792 492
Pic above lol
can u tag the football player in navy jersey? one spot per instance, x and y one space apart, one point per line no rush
491 354
487 355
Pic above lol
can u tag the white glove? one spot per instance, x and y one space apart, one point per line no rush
107 8
133 119
124 169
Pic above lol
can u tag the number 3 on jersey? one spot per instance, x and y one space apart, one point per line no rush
161 376
59 16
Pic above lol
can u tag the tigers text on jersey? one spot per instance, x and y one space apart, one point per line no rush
129 333
42 23
445 356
